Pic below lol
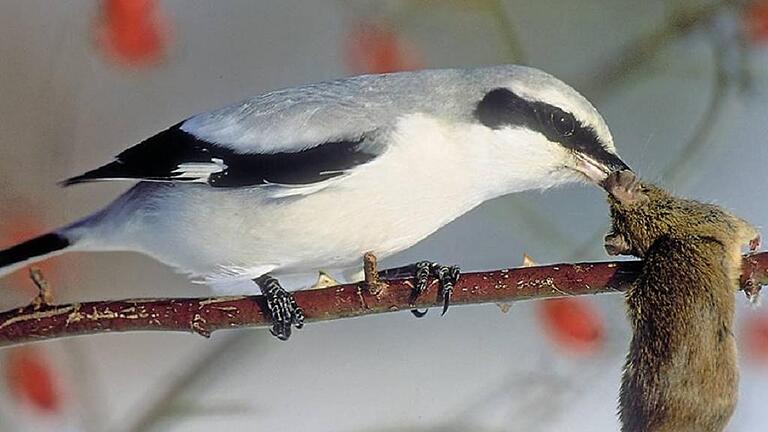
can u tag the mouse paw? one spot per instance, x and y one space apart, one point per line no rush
616 244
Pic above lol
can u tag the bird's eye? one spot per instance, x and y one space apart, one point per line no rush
563 122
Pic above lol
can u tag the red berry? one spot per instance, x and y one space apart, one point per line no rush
132 31
573 324
755 16
377 48
754 339
30 379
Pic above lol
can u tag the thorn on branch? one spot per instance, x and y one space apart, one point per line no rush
528 261
44 295
372 281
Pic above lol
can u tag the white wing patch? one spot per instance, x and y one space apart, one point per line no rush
199 171
230 279
279 190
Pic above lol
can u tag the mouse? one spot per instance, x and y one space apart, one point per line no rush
681 370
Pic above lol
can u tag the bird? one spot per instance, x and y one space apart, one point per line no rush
312 177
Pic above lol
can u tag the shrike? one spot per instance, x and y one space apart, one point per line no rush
313 177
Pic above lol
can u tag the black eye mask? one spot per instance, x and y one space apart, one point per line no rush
501 107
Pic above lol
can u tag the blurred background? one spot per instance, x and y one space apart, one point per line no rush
682 84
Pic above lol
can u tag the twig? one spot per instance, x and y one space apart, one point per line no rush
44 295
205 315
678 168
682 21
162 406
515 51
371 271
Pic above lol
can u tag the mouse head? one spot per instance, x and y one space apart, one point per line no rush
641 213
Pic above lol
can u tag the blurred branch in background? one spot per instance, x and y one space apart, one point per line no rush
679 168
515 51
167 404
682 21
40 321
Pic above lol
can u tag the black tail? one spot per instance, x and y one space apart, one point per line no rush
112 170
30 251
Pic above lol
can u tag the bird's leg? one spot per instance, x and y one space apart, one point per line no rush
447 277
282 307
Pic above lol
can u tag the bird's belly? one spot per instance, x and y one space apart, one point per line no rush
334 229
329 229
242 232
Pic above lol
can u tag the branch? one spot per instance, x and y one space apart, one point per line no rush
42 321
639 52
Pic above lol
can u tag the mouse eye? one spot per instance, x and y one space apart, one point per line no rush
564 123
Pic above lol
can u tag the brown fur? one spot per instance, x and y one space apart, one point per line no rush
681 373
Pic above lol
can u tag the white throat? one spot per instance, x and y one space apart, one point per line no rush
507 160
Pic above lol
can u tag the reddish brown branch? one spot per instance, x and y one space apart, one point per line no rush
205 315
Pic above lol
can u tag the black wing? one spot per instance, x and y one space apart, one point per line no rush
178 156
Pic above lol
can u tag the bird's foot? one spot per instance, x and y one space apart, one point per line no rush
282 307
447 277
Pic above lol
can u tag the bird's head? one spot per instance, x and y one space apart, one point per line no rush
545 129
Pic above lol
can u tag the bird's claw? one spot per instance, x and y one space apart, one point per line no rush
282 307
285 313
447 277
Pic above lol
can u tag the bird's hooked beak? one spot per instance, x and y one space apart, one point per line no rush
597 169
